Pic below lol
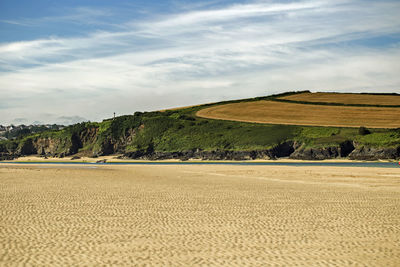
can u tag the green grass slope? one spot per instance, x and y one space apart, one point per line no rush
181 130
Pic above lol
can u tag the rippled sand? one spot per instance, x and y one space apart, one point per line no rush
199 215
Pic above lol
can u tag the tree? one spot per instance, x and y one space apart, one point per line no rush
363 131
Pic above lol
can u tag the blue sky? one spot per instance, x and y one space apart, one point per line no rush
68 61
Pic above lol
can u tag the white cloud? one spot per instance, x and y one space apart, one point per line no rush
199 56
233 12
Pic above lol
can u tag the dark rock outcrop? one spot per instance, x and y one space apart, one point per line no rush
47 146
316 153
202 155
321 153
346 148
281 150
7 156
292 150
64 146
111 146
369 153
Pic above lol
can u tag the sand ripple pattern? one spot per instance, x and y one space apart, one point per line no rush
199 216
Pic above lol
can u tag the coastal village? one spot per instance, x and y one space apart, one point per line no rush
9 132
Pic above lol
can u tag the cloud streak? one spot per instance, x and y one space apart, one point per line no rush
197 56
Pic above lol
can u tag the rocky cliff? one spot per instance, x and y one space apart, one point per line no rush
371 153
287 149
319 153
281 150
61 148
181 135
57 146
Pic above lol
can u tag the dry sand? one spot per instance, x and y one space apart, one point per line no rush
199 215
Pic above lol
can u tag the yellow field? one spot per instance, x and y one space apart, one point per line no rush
199 215
177 108
300 114
346 98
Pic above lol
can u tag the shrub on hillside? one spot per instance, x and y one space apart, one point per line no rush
363 131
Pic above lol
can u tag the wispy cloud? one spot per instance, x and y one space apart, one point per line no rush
14 22
205 55
233 12
80 15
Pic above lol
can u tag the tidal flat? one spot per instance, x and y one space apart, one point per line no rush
191 215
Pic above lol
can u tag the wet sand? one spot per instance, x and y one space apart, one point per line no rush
199 215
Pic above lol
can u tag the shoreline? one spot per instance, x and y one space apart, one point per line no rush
114 159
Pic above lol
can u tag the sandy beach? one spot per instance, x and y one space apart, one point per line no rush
119 159
191 215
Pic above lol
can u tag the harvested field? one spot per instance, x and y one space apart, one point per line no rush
178 108
361 99
301 114
199 215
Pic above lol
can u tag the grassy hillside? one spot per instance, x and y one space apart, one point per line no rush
182 130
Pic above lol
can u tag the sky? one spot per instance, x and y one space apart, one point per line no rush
70 61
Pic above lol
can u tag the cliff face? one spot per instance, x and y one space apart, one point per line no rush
57 146
60 147
6 156
287 149
320 153
370 153
115 145
281 150
178 135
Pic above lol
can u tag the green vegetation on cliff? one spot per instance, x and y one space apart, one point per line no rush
181 130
